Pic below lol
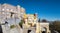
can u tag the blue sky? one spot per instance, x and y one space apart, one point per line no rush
46 9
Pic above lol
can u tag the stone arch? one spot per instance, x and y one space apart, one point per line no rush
44 30
30 30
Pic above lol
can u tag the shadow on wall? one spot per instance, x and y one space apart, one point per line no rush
1 29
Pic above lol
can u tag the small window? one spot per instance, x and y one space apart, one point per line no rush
11 10
3 9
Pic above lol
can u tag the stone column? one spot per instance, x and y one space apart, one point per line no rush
47 29
37 28
40 30
26 22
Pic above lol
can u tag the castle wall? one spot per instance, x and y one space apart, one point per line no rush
6 10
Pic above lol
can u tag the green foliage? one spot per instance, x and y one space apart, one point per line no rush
55 26
12 26
44 20
20 23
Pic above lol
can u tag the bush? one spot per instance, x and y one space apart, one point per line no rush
12 26
20 23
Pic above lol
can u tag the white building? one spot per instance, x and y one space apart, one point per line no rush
11 14
14 14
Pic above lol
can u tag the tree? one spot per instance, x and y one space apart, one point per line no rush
20 23
44 20
12 26
39 20
55 26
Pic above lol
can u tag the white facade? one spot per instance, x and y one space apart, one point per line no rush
11 14
7 9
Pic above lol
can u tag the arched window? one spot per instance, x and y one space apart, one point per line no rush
11 14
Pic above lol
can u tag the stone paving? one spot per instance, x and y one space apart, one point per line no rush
17 30
6 29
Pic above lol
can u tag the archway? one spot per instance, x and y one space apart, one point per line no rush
29 31
44 30
1 29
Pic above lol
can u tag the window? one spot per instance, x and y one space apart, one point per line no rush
7 9
3 9
11 10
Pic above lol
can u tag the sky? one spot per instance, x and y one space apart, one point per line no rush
46 9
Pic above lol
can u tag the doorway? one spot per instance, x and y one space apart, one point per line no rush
1 29
29 31
43 31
